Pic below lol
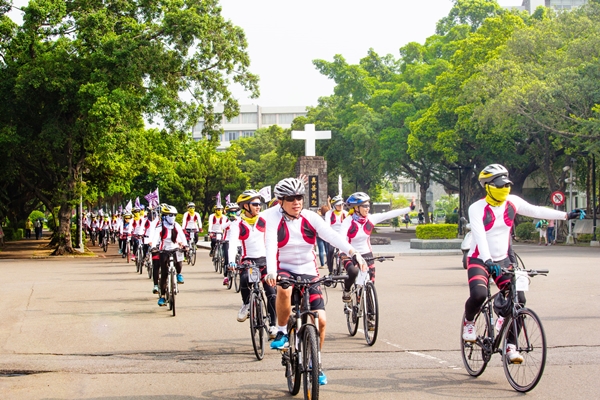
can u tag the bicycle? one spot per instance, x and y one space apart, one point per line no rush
259 316
233 274
338 268
303 355
191 255
127 238
105 241
367 309
172 287
93 234
218 258
139 254
113 236
530 337
148 263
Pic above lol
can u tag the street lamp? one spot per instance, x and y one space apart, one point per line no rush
570 182
594 241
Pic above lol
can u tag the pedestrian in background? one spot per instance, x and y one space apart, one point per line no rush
28 227
38 229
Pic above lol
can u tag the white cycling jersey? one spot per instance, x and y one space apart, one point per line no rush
251 238
359 233
490 226
193 222
215 224
290 242
335 219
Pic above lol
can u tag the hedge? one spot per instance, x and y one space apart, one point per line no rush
452 218
13 234
525 231
437 231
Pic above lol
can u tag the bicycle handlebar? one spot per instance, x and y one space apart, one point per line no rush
530 272
326 280
379 258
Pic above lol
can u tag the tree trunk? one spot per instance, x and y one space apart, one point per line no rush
63 233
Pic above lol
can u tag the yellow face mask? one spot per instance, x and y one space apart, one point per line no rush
191 211
218 212
136 216
496 196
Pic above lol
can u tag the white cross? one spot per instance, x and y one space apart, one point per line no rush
310 135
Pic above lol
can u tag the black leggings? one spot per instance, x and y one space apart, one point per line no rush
330 258
225 246
478 279
270 291
164 270
352 270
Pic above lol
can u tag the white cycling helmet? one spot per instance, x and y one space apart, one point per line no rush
494 174
289 187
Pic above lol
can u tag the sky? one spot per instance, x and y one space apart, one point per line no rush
284 36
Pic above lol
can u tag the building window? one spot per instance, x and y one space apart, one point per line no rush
269 119
249 118
231 135
234 120
286 118
247 133
409 187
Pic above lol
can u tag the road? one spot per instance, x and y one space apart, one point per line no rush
89 328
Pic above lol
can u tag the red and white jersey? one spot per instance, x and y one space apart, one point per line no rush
95 225
250 237
226 227
359 234
193 222
139 226
490 226
114 224
105 225
126 228
335 219
168 238
215 224
290 242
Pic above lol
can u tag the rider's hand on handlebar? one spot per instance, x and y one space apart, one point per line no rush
493 269
576 214
271 279
360 261
231 265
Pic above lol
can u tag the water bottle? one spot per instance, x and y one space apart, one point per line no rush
499 323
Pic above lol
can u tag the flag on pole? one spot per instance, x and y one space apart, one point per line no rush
128 207
152 199
219 199
265 193
340 185
227 199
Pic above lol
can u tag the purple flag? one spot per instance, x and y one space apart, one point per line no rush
219 198
152 198
137 203
227 199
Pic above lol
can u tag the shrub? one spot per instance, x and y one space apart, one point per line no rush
525 231
437 231
179 218
584 237
8 233
452 218
395 222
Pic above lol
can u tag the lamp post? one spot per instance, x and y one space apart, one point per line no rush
594 241
570 182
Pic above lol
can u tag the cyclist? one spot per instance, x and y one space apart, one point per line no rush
249 233
138 227
192 223
290 238
335 217
94 225
231 212
215 226
168 235
104 229
491 221
125 231
358 228
154 222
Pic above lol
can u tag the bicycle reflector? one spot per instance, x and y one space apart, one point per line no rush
502 305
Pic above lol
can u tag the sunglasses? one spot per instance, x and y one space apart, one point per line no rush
191 208
291 199
365 205
255 204
500 186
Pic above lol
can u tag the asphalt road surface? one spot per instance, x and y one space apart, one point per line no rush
89 328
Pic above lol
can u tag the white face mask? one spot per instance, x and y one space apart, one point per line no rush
170 219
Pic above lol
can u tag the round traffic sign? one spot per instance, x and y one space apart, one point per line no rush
557 198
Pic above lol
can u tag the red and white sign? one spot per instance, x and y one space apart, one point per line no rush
557 198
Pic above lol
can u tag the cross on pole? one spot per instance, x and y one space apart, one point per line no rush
310 135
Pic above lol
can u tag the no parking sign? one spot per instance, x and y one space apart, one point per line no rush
557 198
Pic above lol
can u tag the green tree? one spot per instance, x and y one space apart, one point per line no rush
77 79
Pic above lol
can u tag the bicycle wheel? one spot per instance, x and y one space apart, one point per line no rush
140 259
292 367
105 243
475 356
149 267
93 238
531 343
193 256
351 311
257 331
371 313
310 347
128 251
230 275
236 281
173 290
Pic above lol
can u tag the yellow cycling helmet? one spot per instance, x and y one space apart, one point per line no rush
247 196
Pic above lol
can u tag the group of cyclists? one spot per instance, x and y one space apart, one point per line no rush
281 239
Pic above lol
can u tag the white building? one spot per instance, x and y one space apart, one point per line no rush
410 189
251 118
531 5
